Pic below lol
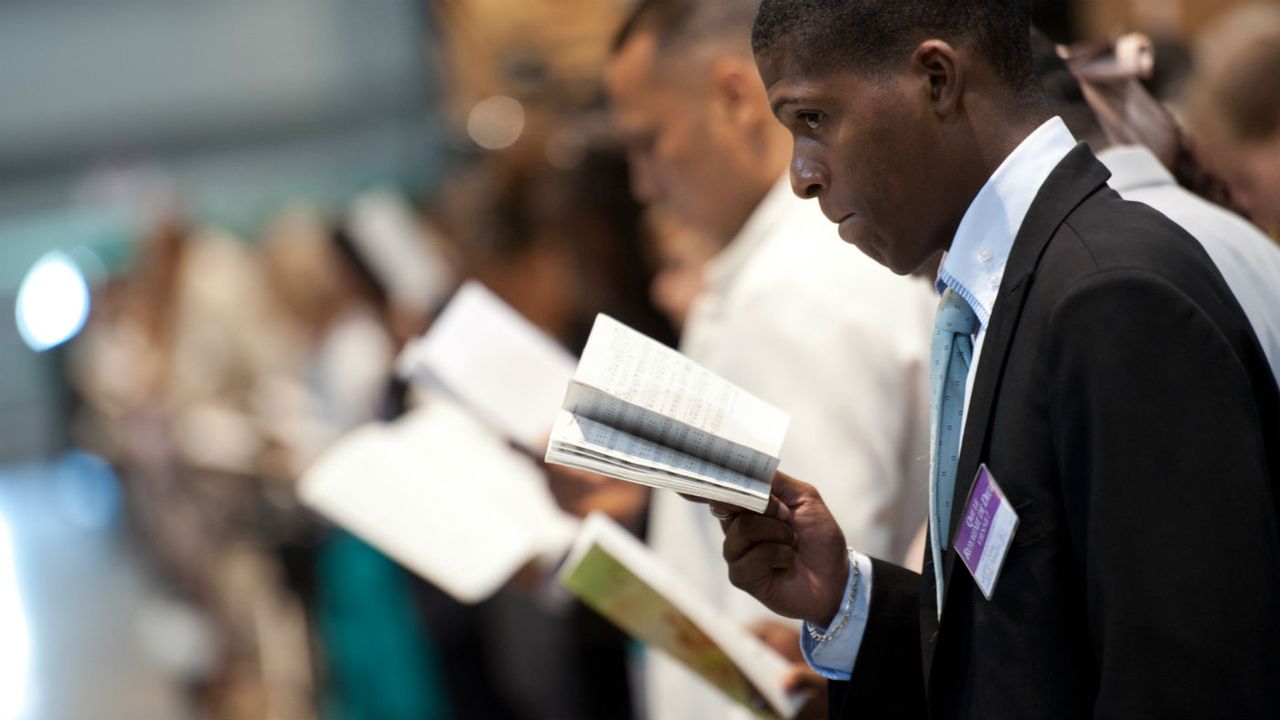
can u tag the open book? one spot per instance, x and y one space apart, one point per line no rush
639 411
443 495
505 370
623 580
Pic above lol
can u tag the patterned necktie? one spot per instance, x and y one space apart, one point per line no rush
951 354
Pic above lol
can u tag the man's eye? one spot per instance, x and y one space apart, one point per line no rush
812 118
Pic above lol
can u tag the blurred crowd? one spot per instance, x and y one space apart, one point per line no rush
215 370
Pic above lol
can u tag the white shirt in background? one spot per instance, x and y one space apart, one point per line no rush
794 315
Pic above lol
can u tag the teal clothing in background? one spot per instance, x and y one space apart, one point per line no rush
380 662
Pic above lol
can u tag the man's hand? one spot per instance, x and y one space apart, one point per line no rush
785 640
803 679
792 557
782 638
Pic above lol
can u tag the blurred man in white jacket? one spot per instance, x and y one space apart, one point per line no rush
789 312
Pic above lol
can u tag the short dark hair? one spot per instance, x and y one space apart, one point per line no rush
869 34
680 23
1063 91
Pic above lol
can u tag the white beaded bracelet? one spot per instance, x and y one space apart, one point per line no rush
845 610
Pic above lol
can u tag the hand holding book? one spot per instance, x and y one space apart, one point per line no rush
621 579
792 557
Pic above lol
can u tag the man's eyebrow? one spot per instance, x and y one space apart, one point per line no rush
782 102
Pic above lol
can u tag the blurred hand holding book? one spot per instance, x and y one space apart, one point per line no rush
623 580
444 496
442 490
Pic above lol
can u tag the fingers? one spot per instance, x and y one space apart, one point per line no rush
747 530
783 638
723 512
777 509
754 570
791 492
801 678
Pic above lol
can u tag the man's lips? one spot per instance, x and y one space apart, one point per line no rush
846 225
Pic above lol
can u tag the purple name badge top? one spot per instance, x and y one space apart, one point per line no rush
986 531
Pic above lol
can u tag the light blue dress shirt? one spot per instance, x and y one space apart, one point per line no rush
973 268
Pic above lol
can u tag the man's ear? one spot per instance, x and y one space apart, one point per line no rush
737 93
939 66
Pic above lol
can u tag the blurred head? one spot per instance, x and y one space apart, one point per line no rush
303 268
1064 93
1235 106
688 103
900 110
559 244
680 254
1103 104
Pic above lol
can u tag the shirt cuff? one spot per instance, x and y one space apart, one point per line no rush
833 658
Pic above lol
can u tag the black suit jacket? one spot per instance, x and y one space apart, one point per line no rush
1124 406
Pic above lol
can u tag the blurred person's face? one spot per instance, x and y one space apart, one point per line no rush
682 255
878 152
689 135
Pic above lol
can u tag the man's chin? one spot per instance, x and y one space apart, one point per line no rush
878 248
868 245
895 265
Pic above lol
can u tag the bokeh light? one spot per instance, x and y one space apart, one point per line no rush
53 302
496 122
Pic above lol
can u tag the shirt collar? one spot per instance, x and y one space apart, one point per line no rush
974 265
1133 167
722 269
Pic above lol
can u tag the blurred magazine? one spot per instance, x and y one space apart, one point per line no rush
623 580
639 411
441 494
505 370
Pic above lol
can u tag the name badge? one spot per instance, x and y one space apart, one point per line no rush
986 532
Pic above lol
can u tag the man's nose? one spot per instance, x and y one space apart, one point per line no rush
808 177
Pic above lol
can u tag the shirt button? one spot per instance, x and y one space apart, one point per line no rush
995 283
984 255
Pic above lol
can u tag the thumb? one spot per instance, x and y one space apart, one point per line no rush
790 491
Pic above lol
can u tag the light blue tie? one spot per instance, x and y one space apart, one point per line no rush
951 354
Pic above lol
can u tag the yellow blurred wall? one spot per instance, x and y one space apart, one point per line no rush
1171 18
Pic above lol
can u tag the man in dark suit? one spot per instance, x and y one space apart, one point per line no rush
1106 432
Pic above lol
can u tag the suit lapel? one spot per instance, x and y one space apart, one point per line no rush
1077 177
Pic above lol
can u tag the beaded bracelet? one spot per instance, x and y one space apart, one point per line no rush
845 610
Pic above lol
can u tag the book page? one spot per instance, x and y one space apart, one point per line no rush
633 383
583 443
624 581
444 496
508 372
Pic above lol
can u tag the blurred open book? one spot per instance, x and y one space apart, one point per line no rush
503 369
442 494
623 580
639 411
